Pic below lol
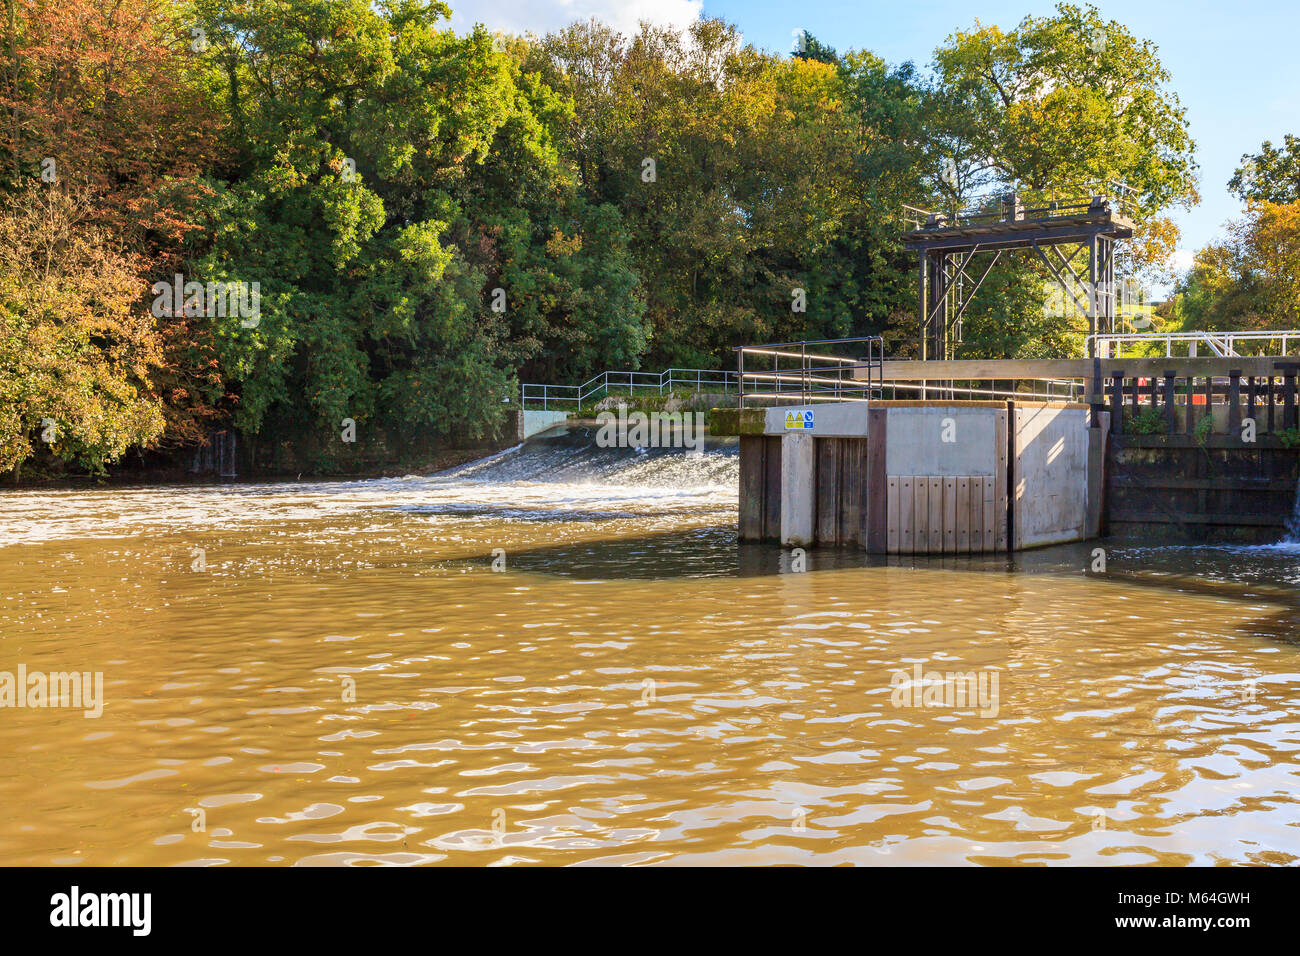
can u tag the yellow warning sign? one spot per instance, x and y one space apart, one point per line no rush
800 420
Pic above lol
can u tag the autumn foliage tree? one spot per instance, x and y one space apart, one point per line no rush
1248 281
78 354
433 216
104 98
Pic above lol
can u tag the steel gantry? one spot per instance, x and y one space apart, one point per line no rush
1057 232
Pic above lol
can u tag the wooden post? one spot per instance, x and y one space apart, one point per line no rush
1117 403
1234 401
827 472
752 471
1288 398
1011 475
772 487
1270 401
1098 392
853 492
1250 397
1190 424
1209 400
876 510
1171 412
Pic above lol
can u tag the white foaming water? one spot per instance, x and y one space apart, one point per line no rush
536 480
1292 538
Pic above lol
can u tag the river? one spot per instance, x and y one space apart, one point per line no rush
562 656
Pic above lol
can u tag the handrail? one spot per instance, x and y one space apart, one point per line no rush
576 395
1222 344
815 369
807 382
1032 204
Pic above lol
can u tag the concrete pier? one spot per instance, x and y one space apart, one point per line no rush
917 477
798 507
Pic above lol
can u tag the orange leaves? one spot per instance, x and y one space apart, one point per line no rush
96 87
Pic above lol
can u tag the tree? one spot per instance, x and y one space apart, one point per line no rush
1269 240
808 47
1069 100
76 351
102 95
403 208
760 193
575 296
107 99
1251 279
1272 175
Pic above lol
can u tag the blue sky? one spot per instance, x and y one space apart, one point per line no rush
1235 66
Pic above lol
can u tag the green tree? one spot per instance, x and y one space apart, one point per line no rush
1064 101
760 193
1271 175
1058 107
393 177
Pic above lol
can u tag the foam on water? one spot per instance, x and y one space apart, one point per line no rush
542 479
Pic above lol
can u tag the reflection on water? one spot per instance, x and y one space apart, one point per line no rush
631 687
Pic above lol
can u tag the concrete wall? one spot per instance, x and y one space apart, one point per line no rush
798 482
533 421
1051 475
830 419
794 487
944 440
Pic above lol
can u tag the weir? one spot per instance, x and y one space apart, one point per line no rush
1165 448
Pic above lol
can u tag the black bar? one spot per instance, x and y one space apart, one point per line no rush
1234 401
1171 413
1117 403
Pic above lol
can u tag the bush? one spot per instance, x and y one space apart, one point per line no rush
1150 421
1289 437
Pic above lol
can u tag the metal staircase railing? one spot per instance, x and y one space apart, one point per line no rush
573 397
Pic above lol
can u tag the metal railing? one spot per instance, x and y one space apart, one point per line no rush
819 377
1221 344
822 377
1002 205
1053 390
573 397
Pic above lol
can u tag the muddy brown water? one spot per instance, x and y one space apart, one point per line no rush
562 656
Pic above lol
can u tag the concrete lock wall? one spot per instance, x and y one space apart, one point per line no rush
946 440
919 477
1051 475
945 478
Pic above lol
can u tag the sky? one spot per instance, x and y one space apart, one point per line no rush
1233 65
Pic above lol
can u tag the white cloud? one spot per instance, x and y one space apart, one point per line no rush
543 16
